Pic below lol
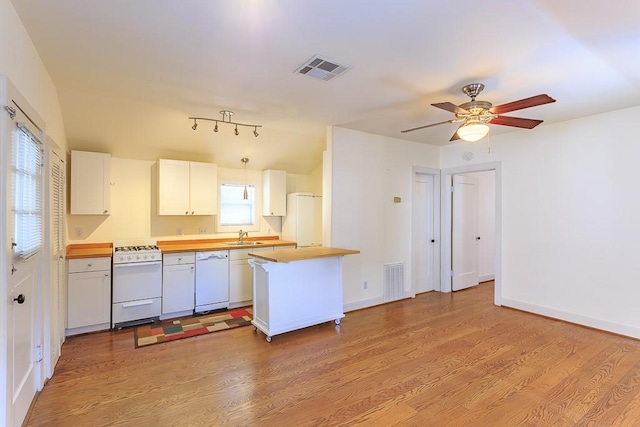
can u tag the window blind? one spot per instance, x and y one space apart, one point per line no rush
234 210
26 192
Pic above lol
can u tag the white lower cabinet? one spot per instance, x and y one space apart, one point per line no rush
178 284
241 277
88 295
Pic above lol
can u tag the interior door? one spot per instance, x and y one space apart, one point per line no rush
464 238
423 234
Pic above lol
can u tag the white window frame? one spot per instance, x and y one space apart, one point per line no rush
238 178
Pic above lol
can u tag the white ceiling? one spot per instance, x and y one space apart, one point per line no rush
130 73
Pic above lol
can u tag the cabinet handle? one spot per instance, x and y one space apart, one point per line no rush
89 265
106 274
186 213
105 211
193 212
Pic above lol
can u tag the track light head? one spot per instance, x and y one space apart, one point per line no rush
237 133
255 132
215 129
195 124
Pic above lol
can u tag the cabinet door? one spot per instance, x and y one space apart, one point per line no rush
274 193
173 187
240 281
90 186
89 299
203 188
178 288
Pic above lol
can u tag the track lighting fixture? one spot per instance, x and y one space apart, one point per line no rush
245 194
226 118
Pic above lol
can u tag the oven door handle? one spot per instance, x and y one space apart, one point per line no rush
133 264
137 303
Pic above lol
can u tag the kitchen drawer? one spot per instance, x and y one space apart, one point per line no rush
235 254
179 258
135 310
83 265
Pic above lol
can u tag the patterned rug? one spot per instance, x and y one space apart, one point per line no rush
192 326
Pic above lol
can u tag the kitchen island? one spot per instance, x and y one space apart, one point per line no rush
296 288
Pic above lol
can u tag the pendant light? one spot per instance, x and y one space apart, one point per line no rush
245 195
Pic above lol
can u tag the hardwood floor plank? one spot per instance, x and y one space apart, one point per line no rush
438 359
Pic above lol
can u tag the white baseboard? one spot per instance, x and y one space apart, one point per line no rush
358 305
592 322
486 278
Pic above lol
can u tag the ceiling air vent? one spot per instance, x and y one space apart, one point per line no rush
322 68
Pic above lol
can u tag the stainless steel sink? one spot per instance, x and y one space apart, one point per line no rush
244 243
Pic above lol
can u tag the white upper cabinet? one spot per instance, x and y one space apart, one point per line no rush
274 193
90 186
187 188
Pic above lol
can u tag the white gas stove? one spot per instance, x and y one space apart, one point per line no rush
137 283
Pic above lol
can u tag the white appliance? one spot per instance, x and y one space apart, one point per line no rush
303 223
137 284
212 280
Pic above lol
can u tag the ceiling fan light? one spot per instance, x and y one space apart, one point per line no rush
473 132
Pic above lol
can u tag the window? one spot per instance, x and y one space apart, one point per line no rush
234 209
26 192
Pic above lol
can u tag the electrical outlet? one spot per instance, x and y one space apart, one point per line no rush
365 285
78 231
202 230
179 231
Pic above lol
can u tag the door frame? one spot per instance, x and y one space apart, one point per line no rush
446 224
436 174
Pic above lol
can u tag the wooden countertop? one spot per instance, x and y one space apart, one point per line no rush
172 246
289 255
89 250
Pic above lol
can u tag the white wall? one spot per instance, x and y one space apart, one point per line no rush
367 172
21 64
569 219
134 208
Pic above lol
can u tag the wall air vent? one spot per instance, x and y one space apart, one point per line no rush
322 68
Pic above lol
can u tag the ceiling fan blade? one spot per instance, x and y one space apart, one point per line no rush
522 103
455 136
426 126
516 122
448 106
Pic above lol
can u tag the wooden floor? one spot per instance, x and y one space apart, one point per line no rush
436 360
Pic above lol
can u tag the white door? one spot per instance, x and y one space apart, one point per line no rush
58 310
25 219
423 235
464 246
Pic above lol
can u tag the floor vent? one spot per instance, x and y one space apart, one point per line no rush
322 68
393 281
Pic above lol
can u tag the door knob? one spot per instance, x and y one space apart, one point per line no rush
478 238
433 240
20 298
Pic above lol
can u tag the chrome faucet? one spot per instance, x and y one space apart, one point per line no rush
242 235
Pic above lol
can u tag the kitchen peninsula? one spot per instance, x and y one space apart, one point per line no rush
296 288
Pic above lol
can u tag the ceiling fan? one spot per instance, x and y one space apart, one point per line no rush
476 115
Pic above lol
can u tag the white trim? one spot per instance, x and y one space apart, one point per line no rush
358 305
592 322
445 224
435 173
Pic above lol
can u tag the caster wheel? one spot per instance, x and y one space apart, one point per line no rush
337 321
268 338
255 329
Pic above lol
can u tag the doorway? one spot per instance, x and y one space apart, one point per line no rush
425 233
448 248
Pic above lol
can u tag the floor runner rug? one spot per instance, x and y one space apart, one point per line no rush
189 327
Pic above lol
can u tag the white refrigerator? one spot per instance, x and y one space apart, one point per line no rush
303 223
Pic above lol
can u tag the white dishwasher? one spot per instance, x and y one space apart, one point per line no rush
212 280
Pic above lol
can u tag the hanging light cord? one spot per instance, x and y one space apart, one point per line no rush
226 118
